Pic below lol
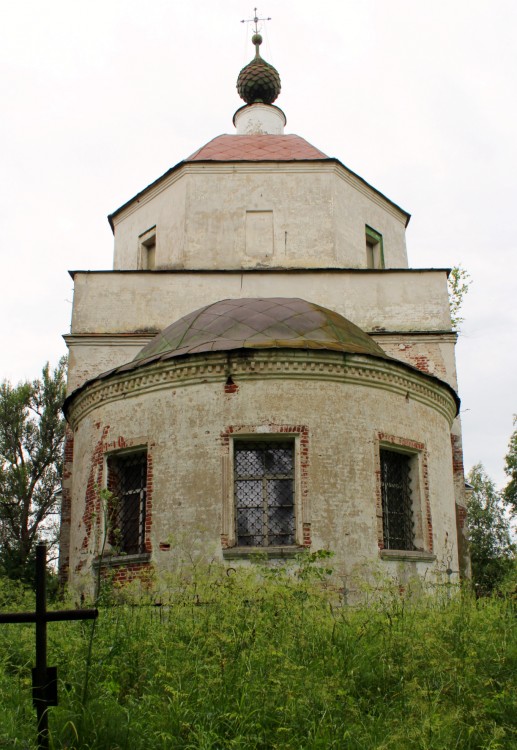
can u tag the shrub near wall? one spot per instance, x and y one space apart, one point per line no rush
271 658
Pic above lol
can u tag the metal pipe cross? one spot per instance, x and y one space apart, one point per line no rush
44 678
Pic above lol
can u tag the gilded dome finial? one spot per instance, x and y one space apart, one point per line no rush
258 81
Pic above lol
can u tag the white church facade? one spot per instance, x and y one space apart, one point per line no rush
262 372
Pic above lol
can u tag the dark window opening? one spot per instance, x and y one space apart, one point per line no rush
147 260
397 505
264 493
127 481
374 249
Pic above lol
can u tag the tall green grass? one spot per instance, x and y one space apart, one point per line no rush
270 658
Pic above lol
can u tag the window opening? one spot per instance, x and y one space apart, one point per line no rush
264 493
127 480
374 248
397 505
148 250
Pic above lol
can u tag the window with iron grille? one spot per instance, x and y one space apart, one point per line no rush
264 493
397 503
127 480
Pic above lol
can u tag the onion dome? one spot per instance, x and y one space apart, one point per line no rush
258 81
258 323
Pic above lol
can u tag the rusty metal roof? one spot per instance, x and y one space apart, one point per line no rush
264 147
258 323
255 148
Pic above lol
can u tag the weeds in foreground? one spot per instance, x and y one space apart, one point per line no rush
263 658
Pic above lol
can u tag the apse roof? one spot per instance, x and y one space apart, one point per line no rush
254 324
258 323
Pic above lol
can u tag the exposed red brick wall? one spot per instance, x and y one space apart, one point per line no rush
127 572
66 506
461 515
457 456
119 443
230 386
93 515
411 352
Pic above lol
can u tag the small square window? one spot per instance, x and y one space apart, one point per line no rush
264 493
127 480
397 500
374 249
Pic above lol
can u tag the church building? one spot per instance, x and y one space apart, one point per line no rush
262 372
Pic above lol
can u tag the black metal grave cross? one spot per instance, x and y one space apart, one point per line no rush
44 678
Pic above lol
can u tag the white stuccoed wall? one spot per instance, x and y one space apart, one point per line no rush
115 314
259 119
318 211
343 420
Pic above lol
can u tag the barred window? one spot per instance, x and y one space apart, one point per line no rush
397 503
127 480
264 493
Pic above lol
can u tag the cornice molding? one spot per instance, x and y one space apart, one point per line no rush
139 339
108 339
370 192
315 166
195 270
349 369
431 337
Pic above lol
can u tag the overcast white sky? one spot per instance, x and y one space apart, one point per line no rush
419 98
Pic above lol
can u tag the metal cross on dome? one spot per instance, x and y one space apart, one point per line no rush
255 20
44 678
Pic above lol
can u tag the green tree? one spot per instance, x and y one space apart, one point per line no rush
510 467
458 282
32 431
491 550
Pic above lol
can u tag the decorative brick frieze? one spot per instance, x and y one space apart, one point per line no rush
283 364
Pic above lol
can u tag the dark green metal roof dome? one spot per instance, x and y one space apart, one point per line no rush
258 323
258 81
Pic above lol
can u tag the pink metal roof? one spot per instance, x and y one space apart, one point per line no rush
257 148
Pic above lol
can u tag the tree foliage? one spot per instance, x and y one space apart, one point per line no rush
32 431
491 550
458 282
510 467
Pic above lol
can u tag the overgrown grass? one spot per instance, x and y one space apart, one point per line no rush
260 658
